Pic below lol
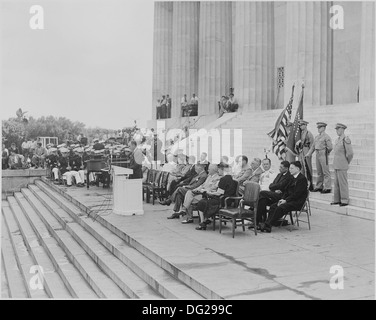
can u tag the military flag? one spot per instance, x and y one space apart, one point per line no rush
279 133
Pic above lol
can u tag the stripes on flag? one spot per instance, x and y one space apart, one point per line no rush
279 133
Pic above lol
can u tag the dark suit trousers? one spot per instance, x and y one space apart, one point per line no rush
178 197
277 212
266 198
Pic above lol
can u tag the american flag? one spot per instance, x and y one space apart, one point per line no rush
279 133
294 138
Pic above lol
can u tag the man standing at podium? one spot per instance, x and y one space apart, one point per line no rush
136 159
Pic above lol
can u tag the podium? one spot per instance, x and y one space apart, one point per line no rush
127 193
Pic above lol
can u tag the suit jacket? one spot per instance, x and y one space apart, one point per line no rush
281 182
296 191
255 176
188 176
135 164
243 175
197 180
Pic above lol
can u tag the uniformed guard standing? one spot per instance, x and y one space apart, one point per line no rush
323 146
307 142
343 154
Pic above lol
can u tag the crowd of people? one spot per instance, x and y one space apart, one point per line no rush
204 186
189 106
199 183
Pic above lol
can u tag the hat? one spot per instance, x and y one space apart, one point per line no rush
79 150
303 122
63 150
95 140
321 124
53 149
61 145
127 149
101 141
340 125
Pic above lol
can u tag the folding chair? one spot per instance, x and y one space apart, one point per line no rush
146 185
237 216
161 188
306 208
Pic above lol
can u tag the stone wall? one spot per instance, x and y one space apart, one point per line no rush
14 180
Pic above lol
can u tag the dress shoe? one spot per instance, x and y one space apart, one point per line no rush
265 228
334 203
202 226
187 221
316 190
343 204
326 191
174 216
165 203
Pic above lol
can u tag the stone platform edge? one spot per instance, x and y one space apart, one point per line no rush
161 262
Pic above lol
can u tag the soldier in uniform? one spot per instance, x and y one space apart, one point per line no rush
323 146
307 141
343 154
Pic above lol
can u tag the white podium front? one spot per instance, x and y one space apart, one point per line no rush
127 193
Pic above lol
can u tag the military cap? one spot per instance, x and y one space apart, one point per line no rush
53 149
101 141
321 124
61 145
340 125
301 121
127 149
63 150
79 150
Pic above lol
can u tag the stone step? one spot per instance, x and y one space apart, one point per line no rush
352 176
156 277
22 255
120 274
53 283
370 170
348 210
362 193
13 274
94 277
356 202
181 275
5 294
73 280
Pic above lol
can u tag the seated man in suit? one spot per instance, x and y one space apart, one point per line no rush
195 195
274 192
245 171
257 170
180 192
292 199
183 179
209 206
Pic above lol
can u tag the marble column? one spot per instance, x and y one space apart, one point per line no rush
253 55
162 51
185 37
309 52
215 54
367 53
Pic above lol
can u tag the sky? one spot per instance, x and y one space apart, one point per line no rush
91 63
